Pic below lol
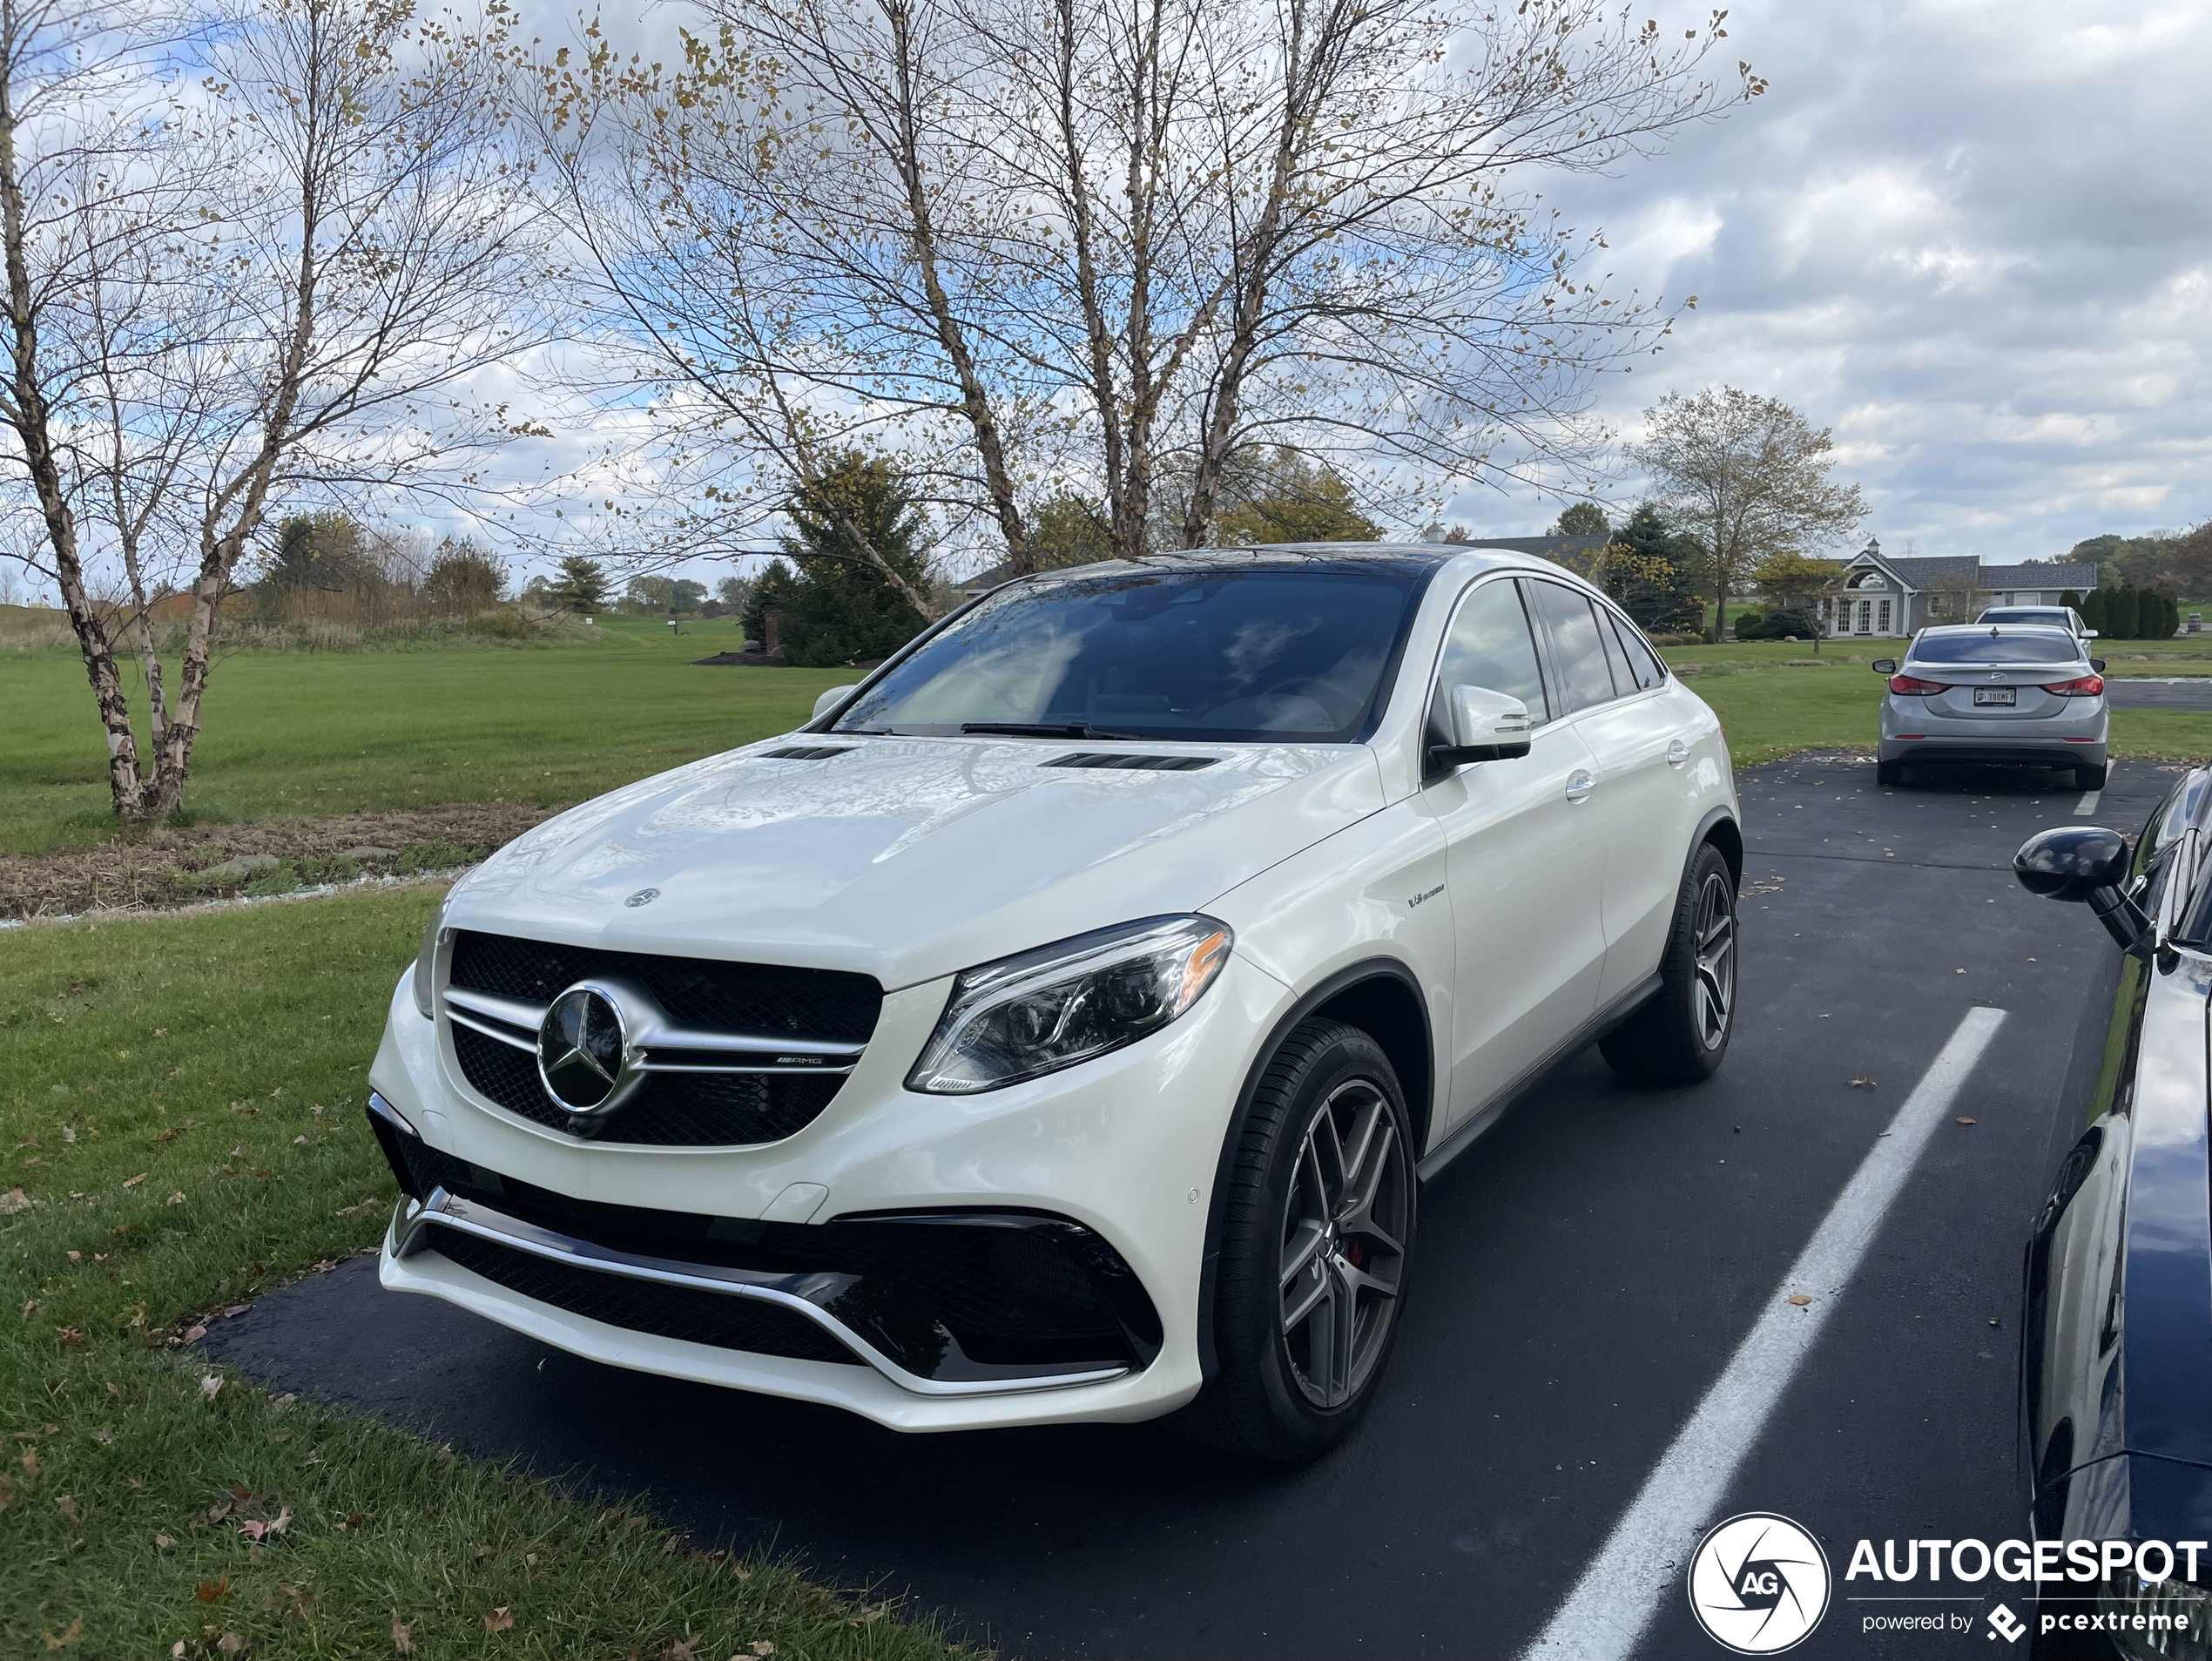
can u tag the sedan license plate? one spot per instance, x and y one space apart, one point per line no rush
2004 695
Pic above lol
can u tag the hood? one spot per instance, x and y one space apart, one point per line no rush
908 859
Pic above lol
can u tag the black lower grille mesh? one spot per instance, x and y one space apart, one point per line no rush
674 1109
694 1317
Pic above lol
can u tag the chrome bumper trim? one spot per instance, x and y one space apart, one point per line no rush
412 1223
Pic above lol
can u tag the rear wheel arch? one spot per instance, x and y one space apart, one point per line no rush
1720 829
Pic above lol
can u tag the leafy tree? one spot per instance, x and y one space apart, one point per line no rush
580 587
1751 473
1582 519
834 606
1800 583
1292 499
1066 530
687 596
734 592
650 596
464 578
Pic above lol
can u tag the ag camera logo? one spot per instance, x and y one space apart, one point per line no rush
1758 1583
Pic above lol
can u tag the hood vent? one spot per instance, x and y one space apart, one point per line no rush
806 753
1134 763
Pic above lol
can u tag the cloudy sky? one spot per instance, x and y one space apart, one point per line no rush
1973 237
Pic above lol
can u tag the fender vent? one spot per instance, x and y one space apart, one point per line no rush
1134 763
806 753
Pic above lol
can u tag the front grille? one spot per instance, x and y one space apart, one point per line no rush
684 1312
673 1110
696 991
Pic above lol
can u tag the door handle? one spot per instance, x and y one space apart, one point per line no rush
1579 783
1677 752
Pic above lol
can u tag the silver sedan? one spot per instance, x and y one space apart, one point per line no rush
1988 692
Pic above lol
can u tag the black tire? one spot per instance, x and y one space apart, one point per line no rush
1281 1390
1681 1035
2090 777
1889 774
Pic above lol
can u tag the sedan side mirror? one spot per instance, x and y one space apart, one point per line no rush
2097 663
1884 665
2088 634
2087 864
1485 726
829 701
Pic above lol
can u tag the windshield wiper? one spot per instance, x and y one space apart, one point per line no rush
1045 730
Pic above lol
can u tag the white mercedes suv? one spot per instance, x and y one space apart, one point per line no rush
1062 1024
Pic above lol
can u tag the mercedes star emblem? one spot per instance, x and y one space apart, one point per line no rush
642 897
580 1047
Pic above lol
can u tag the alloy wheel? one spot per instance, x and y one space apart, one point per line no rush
1344 1232
1716 951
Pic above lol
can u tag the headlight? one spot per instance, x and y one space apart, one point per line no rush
1063 1003
425 963
2157 1620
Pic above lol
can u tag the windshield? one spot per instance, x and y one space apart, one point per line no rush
1993 646
1272 655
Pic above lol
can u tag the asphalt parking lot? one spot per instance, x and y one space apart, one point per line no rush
1584 1275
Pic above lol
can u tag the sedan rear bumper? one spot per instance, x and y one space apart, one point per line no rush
2019 752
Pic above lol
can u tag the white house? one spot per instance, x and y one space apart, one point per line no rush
1887 596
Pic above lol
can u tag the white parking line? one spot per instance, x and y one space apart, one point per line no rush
1639 1563
2088 805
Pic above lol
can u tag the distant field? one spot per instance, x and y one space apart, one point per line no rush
313 734
316 734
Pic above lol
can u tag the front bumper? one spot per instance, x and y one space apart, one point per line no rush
1062 1222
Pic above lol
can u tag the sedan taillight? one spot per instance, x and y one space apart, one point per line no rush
2087 686
1908 684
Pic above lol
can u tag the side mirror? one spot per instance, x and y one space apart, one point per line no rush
2097 663
829 701
2087 864
1485 726
2088 634
1884 665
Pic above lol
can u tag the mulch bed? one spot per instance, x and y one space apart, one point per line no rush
166 866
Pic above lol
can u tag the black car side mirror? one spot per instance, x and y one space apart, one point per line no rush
2097 663
1884 665
2087 864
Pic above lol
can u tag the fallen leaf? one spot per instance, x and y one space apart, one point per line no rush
499 1620
761 1646
353 1520
208 1590
68 1504
195 1332
71 1336
1963 1119
30 1465
230 1644
1799 1299
685 1651
176 1199
1862 1083
13 1201
402 1638
262 1531
73 1634
482 1552
133 1182
209 1385
165 1541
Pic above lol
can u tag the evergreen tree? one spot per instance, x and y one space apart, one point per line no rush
2123 612
2093 610
1662 603
839 607
770 592
580 586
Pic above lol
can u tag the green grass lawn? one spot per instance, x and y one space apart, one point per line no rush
181 1128
316 734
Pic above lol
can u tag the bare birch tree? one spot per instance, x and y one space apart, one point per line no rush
1750 474
1098 243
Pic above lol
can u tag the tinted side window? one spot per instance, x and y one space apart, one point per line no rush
1490 645
1577 654
1644 662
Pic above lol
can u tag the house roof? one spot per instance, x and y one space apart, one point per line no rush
1923 572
